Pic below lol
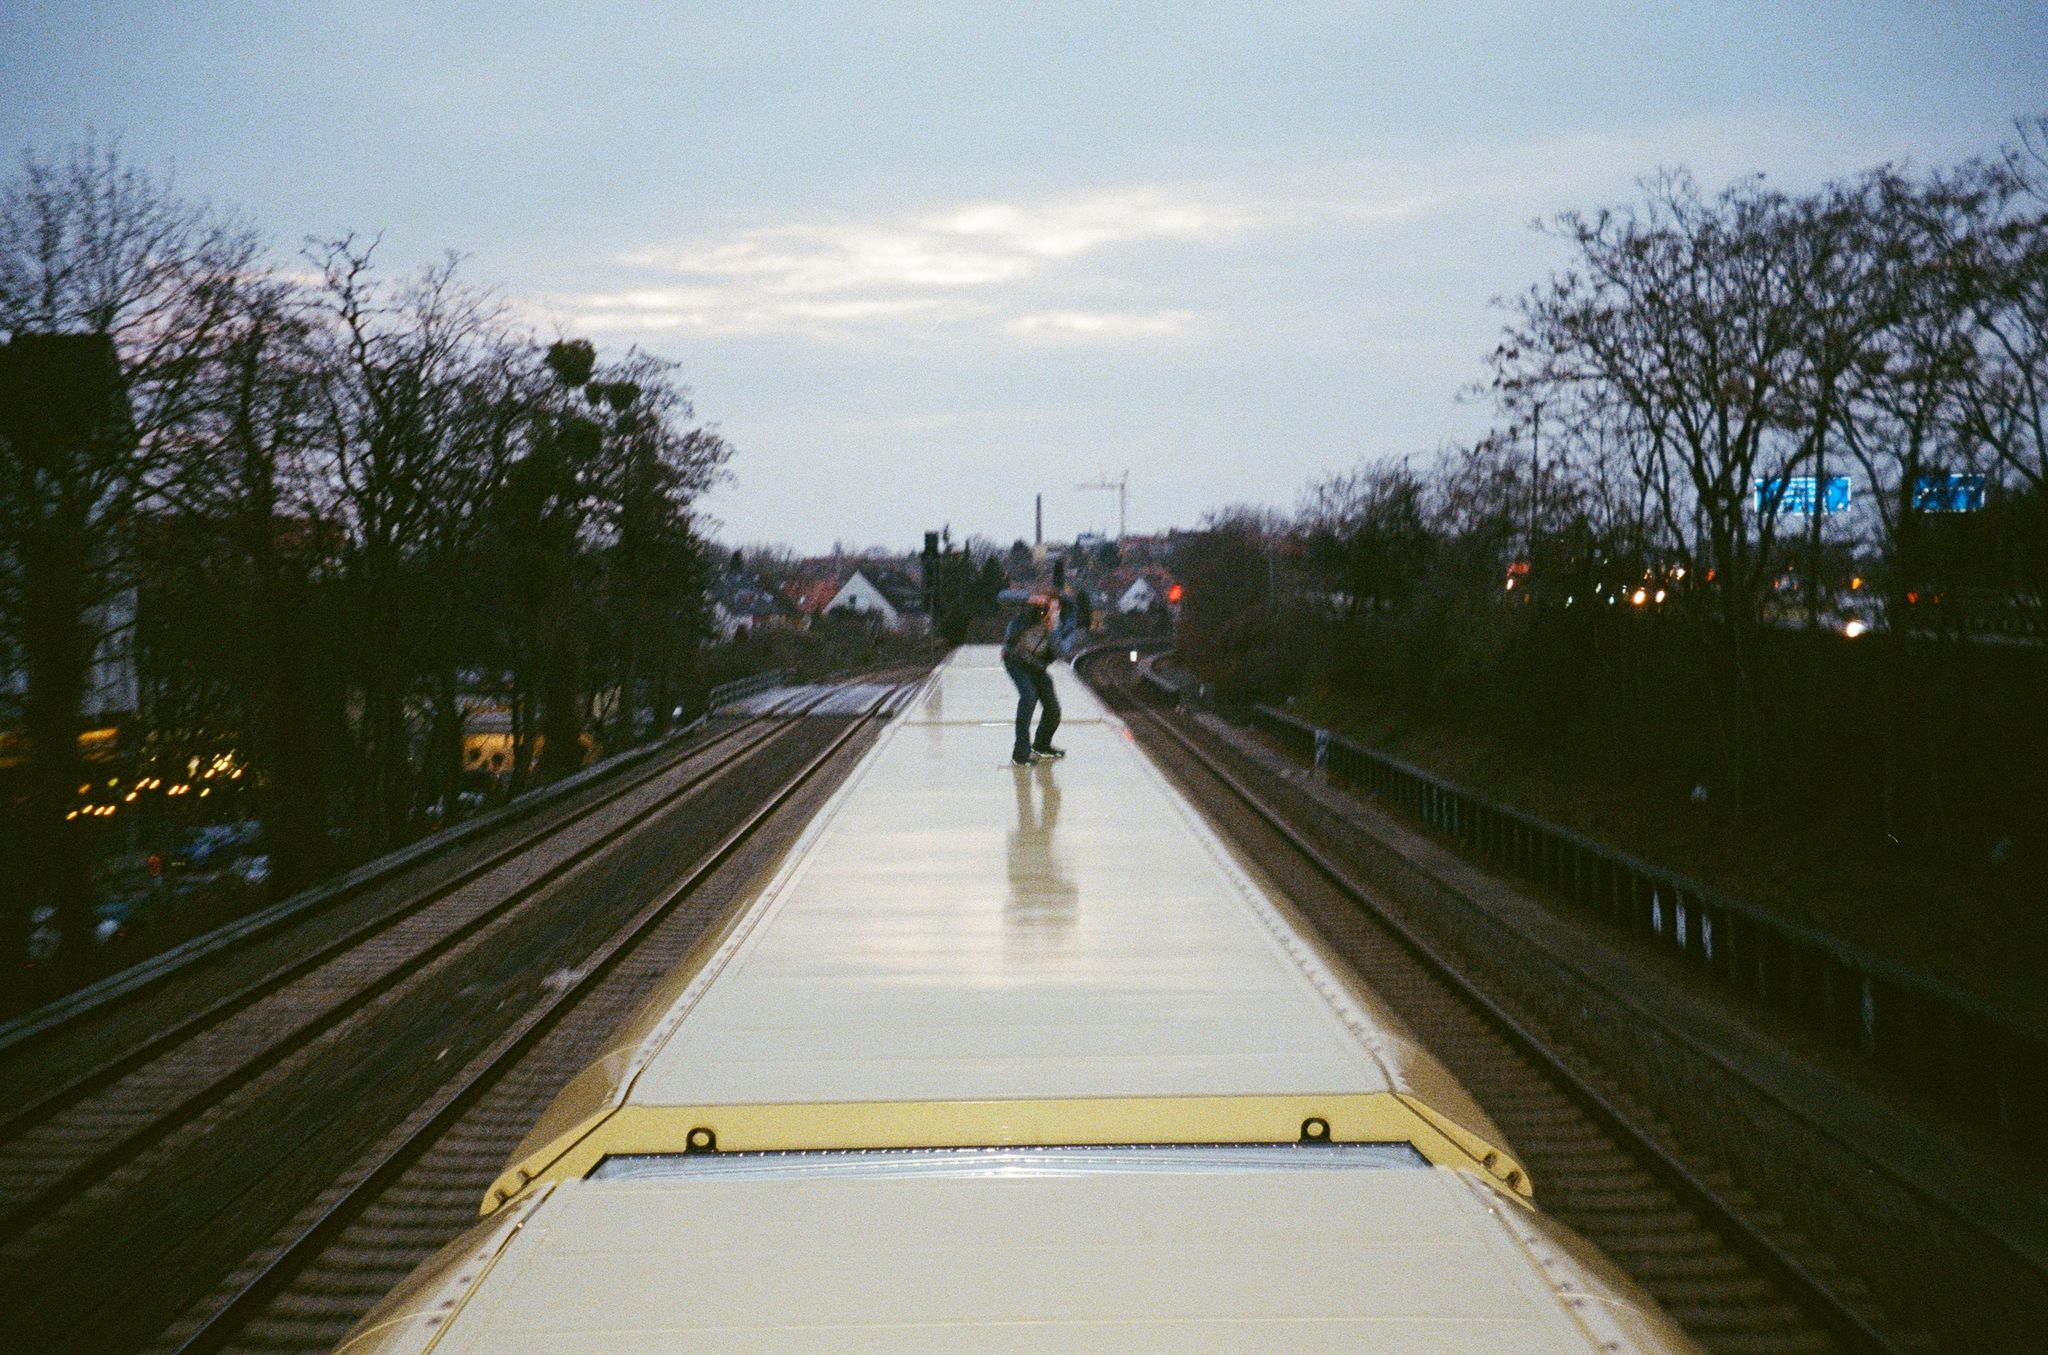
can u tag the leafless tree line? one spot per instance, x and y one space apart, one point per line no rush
332 502
1662 402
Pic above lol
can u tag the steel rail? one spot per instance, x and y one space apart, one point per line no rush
1956 1212
102 994
101 1075
71 1182
1844 1321
1987 1064
457 1097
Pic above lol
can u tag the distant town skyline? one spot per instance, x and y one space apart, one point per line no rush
920 262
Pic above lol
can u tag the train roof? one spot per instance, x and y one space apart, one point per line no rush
1003 1257
957 952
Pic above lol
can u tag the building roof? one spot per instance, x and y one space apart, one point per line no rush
811 594
905 593
748 598
1120 580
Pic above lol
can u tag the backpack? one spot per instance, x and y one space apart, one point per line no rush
1035 645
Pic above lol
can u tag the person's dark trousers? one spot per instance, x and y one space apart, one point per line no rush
1034 688
1027 699
1048 708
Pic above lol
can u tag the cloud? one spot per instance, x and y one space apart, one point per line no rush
1025 269
1134 264
1090 326
970 246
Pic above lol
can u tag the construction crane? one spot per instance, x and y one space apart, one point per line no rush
1122 486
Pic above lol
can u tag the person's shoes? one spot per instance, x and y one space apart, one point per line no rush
1023 759
1050 751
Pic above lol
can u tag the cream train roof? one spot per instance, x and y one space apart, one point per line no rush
961 952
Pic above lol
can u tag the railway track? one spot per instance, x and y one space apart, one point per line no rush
134 1173
51 1147
1688 1233
406 870
424 1184
86 1042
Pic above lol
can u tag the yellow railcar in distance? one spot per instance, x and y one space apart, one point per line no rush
1013 1059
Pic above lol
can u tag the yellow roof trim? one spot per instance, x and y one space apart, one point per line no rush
1499 1166
414 1316
1378 1117
1609 1307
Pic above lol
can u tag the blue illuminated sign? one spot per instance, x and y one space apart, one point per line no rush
1795 495
1948 493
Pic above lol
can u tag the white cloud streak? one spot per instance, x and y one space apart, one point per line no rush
1102 267
1098 326
1021 269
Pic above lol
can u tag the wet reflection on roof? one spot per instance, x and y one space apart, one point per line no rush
1044 900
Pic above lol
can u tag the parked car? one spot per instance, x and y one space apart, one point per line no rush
216 846
118 917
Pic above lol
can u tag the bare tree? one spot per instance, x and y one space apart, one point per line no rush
1907 397
245 502
113 293
410 452
1687 320
2008 399
1365 534
656 462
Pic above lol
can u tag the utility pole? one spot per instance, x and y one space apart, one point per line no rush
1122 486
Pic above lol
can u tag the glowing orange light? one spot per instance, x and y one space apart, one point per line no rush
1639 597
1173 594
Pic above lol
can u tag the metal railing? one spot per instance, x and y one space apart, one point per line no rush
164 964
1943 1042
725 693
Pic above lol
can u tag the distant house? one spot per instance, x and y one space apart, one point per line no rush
892 599
740 604
810 594
1148 589
1139 597
1145 550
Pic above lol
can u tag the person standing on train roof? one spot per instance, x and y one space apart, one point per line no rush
1028 650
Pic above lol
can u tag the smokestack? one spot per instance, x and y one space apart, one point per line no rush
1038 520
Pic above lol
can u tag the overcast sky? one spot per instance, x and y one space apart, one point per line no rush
921 261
